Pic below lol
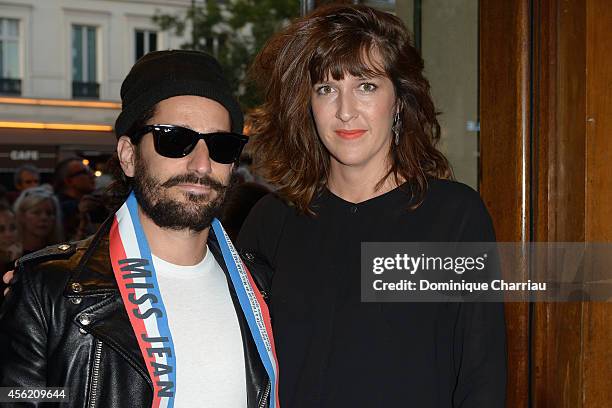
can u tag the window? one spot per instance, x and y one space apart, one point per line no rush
146 41
84 67
10 75
446 32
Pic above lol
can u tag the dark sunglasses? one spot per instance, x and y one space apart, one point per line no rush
176 141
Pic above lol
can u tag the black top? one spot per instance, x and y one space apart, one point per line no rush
334 350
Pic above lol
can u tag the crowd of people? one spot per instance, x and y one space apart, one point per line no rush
34 215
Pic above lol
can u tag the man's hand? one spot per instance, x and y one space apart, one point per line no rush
6 278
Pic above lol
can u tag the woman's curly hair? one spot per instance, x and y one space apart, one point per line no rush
331 42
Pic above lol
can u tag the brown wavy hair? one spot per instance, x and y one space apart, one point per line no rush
332 41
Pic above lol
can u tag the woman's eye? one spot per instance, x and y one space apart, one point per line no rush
324 89
368 87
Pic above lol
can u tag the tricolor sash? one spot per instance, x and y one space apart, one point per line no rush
135 275
254 308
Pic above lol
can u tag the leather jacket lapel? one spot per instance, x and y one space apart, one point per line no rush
108 321
93 276
107 318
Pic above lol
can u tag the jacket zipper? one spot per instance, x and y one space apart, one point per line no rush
264 398
95 375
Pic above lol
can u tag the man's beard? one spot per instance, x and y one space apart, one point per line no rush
195 214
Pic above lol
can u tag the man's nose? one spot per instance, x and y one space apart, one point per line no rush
199 159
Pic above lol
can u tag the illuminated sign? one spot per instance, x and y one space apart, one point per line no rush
13 156
28 155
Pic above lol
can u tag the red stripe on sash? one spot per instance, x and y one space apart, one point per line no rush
266 317
117 252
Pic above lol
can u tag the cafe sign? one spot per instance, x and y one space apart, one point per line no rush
13 156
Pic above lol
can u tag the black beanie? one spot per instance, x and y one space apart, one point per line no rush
161 75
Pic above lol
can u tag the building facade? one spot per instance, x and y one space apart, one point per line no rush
61 67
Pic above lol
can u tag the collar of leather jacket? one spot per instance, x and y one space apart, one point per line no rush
93 276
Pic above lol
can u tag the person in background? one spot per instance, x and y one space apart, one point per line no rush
240 199
39 219
26 176
348 134
92 213
10 246
73 180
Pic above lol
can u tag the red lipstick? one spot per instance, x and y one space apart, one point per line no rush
350 133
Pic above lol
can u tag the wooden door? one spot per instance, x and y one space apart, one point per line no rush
546 175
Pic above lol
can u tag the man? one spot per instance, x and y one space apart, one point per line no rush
73 181
26 176
148 312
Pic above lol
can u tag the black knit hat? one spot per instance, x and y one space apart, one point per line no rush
161 75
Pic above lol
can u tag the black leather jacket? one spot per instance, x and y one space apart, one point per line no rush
64 325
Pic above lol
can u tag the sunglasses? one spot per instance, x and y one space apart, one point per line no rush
176 141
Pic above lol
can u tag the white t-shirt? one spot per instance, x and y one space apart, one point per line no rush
210 369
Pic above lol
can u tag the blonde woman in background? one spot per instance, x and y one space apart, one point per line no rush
39 219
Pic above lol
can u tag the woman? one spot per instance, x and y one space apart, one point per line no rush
38 219
348 132
10 247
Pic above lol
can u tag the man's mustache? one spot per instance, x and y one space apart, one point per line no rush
193 179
